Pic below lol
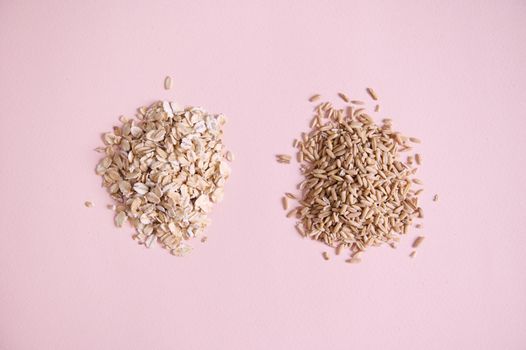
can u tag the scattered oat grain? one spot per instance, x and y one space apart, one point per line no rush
354 260
418 159
290 195
418 181
418 240
343 97
371 93
285 203
314 98
292 213
283 158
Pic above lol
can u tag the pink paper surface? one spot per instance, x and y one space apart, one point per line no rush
450 72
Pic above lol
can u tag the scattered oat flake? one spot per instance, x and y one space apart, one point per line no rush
413 254
229 156
204 239
149 241
181 249
120 218
88 204
167 83
435 198
325 255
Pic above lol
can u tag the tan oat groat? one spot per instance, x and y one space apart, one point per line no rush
418 240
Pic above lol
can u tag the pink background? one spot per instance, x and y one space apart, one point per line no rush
450 72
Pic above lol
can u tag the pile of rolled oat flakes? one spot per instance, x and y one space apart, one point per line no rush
357 191
165 169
